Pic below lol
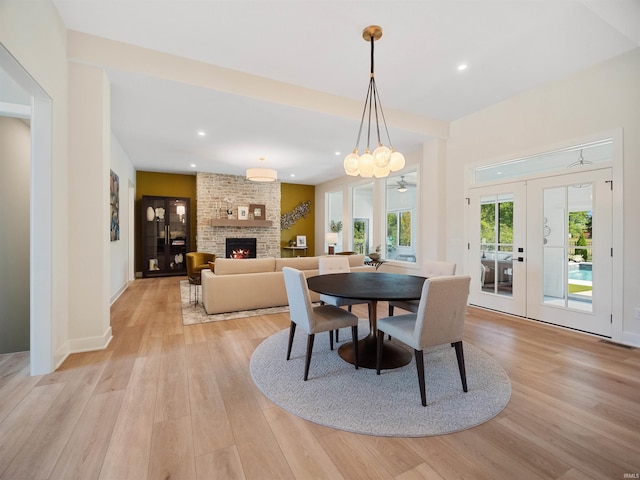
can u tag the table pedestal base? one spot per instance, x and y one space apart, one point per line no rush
393 356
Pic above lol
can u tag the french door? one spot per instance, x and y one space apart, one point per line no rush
544 249
497 249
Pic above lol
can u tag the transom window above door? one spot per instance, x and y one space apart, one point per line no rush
597 152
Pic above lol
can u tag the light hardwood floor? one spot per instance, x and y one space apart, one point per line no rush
166 401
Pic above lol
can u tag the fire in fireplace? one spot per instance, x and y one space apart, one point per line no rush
240 248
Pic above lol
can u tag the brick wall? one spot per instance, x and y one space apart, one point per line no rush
212 189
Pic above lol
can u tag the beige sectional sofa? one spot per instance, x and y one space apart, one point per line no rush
257 282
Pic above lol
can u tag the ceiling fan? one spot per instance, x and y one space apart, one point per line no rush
403 184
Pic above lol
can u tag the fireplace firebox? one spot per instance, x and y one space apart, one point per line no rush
240 248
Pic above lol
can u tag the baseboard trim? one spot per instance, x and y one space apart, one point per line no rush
90 344
119 292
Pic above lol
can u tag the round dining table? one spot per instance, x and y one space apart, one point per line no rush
371 287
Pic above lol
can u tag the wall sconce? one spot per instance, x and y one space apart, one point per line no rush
331 238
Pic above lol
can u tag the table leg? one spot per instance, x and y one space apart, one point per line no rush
393 356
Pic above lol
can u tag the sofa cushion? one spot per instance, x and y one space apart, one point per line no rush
301 263
356 260
232 266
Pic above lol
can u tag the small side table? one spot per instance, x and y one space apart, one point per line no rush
195 280
374 263
294 249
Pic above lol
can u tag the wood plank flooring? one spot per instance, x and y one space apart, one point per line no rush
166 401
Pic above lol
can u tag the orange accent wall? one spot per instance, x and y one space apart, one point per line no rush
291 196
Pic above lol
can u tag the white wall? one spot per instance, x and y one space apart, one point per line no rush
77 246
89 208
34 35
121 270
602 98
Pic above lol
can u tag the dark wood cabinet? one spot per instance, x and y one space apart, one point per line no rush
165 235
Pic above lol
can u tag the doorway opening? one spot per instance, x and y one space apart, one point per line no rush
38 108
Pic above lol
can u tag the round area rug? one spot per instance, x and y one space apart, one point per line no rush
339 396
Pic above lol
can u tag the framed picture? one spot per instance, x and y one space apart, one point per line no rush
114 191
301 240
243 213
258 211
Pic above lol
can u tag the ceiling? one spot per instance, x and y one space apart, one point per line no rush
510 46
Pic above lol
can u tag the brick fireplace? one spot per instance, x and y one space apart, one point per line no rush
212 189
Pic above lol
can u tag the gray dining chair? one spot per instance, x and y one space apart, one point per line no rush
439 320
430 269
336 264
323 318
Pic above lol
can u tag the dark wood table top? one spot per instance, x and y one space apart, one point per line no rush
368 285
372 287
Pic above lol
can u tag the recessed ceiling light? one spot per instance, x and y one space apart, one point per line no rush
462 66
201 133
293 174
337 153
193 165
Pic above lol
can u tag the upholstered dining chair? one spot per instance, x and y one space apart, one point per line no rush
196 262
323 318
439 320
336 264
430 268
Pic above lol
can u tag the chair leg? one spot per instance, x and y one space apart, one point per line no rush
354 337
307 360
379 346
337 335
331 339
420 367
391 310
349 308
292 331
460 357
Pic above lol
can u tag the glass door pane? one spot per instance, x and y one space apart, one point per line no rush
154 234
177 232
568 246
496 243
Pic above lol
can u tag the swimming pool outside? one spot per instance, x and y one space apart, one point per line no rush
581 273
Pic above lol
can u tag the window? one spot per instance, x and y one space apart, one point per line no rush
362 218
401 226
600 151
334 217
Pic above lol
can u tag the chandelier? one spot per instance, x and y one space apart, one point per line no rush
261 174
383 159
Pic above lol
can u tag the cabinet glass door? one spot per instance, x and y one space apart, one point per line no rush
154 235
165 235
176 235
